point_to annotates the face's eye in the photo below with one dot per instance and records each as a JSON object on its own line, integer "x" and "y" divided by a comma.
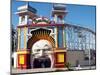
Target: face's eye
{"x": 37, "y": 50}
{"x": 49, "y": 49}
{"x": 46, "y": 50}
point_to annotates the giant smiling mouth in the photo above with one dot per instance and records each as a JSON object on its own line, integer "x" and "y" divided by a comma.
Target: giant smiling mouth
{"x": 42, "y": 62}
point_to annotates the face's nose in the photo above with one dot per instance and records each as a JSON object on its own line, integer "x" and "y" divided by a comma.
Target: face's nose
{"x": 41, "y": 53}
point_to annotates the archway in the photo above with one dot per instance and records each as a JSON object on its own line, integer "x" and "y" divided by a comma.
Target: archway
{"x": 38, "y": 35}
{"x": 41, "y": 45}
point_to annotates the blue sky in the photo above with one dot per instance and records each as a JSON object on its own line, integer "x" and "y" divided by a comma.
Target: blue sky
{"x": 83, "y": 15}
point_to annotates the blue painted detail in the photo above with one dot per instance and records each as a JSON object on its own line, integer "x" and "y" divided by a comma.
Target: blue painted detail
{"x": 60, "y": 37}
{"x": 22, "y": 39}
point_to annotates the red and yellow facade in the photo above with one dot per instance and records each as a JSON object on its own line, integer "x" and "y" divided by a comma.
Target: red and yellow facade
{"x": 23, "y": 55}
{"x": 60, "y": 58}
{"x": 24, "y": 61}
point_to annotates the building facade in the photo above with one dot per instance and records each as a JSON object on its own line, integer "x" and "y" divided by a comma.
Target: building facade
{"x": 41, "y": 42}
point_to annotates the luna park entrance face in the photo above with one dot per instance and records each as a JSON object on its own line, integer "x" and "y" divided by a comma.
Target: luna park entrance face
{"x": 41, "y": 55}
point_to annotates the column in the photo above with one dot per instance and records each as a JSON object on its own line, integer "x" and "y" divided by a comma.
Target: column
{"x": 55, "y": 18}
{"x": 64, "y": 37}
{"x": 56, "y": 39}
{"x": 26, "y": 19}
{"x": 18, "y": 38}
{"x": 62, "y": 21}
{"x": 20, "y": 20}
{"x": 25, "y": 38}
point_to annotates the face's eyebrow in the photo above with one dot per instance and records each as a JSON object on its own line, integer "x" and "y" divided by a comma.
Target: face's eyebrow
{"x": 46, "y": 45}
{"x": 36, "y": 47}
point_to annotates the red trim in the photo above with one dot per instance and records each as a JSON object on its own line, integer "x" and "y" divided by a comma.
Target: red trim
{"x": 58, "y": 64}
{"x": 24, "y": 67}
{"x": 26, "y": 64}
{"x": 41, "y": 25}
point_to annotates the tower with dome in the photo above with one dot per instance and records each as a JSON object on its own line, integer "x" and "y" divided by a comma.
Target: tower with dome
{"x": 41, "y": 42}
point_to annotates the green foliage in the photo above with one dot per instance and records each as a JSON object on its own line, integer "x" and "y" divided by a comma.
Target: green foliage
{"x": 68, "y": 65}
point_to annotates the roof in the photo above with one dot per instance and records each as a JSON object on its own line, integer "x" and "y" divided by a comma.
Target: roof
{"x": 26, "y": 8}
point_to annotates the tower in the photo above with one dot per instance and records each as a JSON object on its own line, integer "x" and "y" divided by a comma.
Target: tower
{"x": 41, "y": 29}
{"x": 26, "y": 13}
{"x": 59, "y": 13}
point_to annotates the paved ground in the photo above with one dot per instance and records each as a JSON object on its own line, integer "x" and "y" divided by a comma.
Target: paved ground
{"x": 17, "y": 71}
{"x": 41, "y": 70}
{"x": 84, "y": 68}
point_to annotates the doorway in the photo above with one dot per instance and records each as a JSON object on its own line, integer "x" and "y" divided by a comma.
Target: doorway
{"x": 42, "y": 63}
